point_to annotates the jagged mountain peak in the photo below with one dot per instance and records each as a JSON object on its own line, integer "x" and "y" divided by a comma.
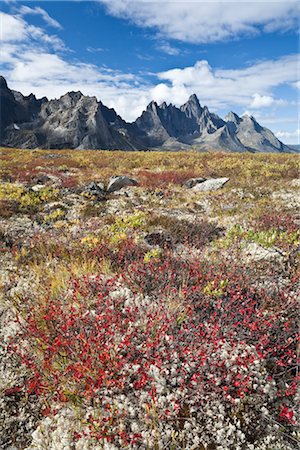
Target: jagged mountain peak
{"x": 152, "y": 106}
{"x": 233, "y": 117}
{"x": 74, "y": 95}
{"x": 250, "y": 119}
{"x": 192, "y": 108}
{"x": 3, "y": 83}
{"x": 247, "y": 116}
{"x": 193, "y": 99}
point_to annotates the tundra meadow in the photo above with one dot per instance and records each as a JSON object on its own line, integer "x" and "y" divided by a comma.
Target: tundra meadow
{"x": 156, "y": 316}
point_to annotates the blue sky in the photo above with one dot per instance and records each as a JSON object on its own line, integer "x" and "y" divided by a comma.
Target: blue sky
{"x": 241, "y": 56}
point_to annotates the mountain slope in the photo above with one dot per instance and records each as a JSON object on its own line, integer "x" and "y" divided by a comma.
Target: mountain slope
{"x": 251, "y": 134}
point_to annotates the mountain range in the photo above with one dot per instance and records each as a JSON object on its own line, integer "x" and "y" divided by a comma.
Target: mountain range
{"x": 78, "y": 121}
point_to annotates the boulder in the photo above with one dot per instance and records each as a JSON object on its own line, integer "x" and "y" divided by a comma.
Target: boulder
{"x": 118, "y": 182}
{"x": 211, "y": 184}
{"x": 193, "y": 181}
{"x": 257, "y": 253}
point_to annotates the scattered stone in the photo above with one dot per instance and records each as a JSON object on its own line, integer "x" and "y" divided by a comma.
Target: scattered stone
{"x": 289, "y": 198}
{"x": 295, "y": 182}
{"x": 44, "y": 178}
{"x": 193, "y": 182}
{"x": 19, "y": 229}
{"x": 6, "y": 240}
{"x": 37, "y": 187}
{"x": 118, "y": 182}
{"x": 255, "y": 252}
{"x": 49, "y": 207}
{"x": 240, "y": 193}
{"x": 41, "y": 179}
{"x": 95, "y": 189}
{"x": 212, "y": 184}
{"x": 160, "y": 238}
{"x": 53, "y": 156}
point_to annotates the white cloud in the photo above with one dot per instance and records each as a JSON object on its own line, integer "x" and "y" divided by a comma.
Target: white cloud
{"x": 12, "y": 28}
{"x": 168, "y": 49}
{"x": 224, "y": 87}
{"x": 200, "y": 21}
{"x": 23, "y": 10}
{"x": 289, "y": 137}
{"x": 36, "y": 68}
{"x": 96, "y": 49}
{"x": 297, "y": 84}
{"x": 264, "y": 101}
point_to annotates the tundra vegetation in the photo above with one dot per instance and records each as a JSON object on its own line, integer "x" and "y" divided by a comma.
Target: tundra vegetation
{"x": 153, "y": 317}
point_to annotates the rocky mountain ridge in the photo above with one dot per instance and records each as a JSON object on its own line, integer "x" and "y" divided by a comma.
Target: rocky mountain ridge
{"x": 83, "y": 122}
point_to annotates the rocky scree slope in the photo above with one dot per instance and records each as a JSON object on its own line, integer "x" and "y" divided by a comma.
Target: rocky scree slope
{"x": 82, "y": 122}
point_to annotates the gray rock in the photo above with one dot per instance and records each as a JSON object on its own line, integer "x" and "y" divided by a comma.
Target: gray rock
{"x": 95, "y": 189}
{"x": 37, "y": 187}
{"x": 44, "y": 179}
{"x": 118, "y": 182}
{"x": 211, "y": 184}
{"x": 41, "y": 179}
{"x": 50, "y": 207}
{"x": 255, "y": 252}
{"x": 295, "y": 182}
{"x": 193, "y": 181}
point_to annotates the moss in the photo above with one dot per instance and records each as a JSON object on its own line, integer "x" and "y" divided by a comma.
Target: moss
{"x": 54, "y": 216}
{"x": 26, "y": 201}
{"x": 154, "y": 253}
{"x": 266, "y": 238}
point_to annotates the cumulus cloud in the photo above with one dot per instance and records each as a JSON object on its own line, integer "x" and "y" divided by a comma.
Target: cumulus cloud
{"x": 223, "y": 87}
{"x": 292, "y": 137}
{"x": 264, "y": 101}
{"x": 200, "y": 21}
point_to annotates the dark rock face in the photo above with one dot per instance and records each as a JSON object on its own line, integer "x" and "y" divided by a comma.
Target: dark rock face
{"x": 159, "y": 123}
{"x": 78, "y": 121}
{"x": 17, "y": 116}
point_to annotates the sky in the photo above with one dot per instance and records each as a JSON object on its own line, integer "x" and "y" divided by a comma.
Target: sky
{"x": 235, "y": 56}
